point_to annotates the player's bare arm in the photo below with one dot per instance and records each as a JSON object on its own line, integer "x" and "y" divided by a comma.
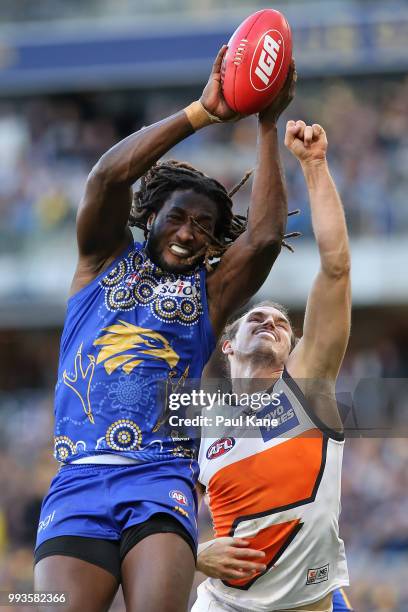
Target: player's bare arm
{"x": 247, "y": 263}
{"x": 227, "y": 558}
{"x": 102, "y": 231}
{"x": 319, "y": 354}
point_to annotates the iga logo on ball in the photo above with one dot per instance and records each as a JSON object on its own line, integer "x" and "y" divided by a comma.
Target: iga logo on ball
{"x": 267, "y": 60}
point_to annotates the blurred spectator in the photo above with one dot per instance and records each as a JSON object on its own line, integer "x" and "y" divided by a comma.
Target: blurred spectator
{"x": 48, "y": 146}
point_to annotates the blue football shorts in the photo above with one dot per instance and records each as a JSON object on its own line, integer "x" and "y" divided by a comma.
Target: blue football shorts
{"x": 341, "y": 602}
{"x": 102, "y": 501}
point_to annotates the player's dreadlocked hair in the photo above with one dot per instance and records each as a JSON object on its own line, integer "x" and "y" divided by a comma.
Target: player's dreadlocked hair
{"x": 162, "y": 179}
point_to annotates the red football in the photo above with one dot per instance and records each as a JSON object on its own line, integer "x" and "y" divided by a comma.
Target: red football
{"x": 256, "y": 63}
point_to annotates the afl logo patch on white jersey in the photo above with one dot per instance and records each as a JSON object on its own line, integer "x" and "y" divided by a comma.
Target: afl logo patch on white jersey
{"x": 220, "y": 447}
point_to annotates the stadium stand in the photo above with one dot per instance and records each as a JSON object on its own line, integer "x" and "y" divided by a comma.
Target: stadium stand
{"x": 49, "y": 139}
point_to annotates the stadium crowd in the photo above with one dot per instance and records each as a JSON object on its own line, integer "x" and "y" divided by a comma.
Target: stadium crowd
{"x": 48, "y": 145}
{"x": 59, "y": 10}
{"x": 375, "y": 475}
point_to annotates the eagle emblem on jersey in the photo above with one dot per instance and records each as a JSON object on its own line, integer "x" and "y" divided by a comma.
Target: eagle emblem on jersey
{"x": 126, "y": 346}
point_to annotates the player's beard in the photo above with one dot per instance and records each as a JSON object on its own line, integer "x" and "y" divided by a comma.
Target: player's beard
{"x": 265, "y": 358}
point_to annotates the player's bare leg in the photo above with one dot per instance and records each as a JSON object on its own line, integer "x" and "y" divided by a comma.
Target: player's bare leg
{"x": 157, "y": 574}
{"x": 88, "y": 587}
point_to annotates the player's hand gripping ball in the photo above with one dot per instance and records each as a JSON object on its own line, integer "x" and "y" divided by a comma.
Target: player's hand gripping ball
{"x": 257, "y": 61}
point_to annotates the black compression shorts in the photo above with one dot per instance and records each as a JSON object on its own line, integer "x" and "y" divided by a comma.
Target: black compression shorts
{"x": 109, "y": 554}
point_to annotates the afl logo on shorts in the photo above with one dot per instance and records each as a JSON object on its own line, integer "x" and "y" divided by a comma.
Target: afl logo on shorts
{"x": 220, "y": 447}
{"x": 179, "y": 497}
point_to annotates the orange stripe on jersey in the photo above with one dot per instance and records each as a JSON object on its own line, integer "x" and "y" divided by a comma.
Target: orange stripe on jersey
{"x": 282, "y": 476}
{"x": 272, "y": 541}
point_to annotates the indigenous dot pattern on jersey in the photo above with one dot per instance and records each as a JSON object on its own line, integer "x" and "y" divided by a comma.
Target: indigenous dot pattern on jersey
{"x": 136, "y": 281}
{"x": 124, "y": 435}
{"x": 64, "y": 448}
{"x": 256, "y": 64}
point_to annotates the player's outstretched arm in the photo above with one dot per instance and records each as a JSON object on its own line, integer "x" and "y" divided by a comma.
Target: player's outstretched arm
{"x": 104, "y": 210}
{"x": 247, "y": 263}
{"x": 326, "y": 329}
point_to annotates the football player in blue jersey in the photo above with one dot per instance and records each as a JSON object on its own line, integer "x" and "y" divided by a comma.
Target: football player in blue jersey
{"x": 122, "y": 508}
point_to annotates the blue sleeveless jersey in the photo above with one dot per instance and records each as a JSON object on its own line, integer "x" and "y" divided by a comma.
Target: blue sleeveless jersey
{"x": 133, "y": 335}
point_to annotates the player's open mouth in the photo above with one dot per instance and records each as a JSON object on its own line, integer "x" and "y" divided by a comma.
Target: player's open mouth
{"x": 180, "y": 251}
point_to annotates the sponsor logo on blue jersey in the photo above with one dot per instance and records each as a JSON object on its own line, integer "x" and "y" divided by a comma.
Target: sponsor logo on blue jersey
{"x": 178, "y": 288}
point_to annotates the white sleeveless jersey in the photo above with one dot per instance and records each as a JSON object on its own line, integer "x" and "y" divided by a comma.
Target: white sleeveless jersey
{"x": 279, "y": 487}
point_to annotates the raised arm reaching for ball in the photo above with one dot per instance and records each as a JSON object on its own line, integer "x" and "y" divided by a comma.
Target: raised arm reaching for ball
{"x": 203, "y": 218}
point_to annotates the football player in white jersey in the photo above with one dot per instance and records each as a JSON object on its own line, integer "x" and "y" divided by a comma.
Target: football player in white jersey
{"x": 274, "y": 495}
